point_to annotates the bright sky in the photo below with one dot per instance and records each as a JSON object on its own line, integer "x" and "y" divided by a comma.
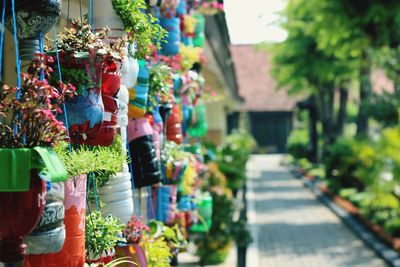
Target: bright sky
{"x": 253, "y": 21}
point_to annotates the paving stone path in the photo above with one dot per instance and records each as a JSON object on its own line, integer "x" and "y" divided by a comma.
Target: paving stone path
{"x": 292, "y": 228}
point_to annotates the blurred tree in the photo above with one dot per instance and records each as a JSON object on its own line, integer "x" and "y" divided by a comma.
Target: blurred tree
{"x": 301, "y": 63}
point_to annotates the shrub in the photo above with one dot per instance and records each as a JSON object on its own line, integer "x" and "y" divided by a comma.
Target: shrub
{"x": 297, "y": 144}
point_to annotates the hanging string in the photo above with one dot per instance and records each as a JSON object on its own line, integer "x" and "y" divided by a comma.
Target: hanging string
{"x": 60, "y": 78}
{"x": 17, "y": 61}
{"x": 90, "y": 14}
{"x": 3, "y": 14}
{"x": 69, "y": 4}
{"x": 139, "y": 212}
{"x": 128, "y": 151}
{"x": 41, "y": 49}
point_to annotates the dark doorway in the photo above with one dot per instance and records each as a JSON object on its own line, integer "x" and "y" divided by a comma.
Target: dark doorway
{"x": 271, "y": 129}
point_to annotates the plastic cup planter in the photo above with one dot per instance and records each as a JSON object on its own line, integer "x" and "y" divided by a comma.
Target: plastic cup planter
{"x": 23, "y": 194}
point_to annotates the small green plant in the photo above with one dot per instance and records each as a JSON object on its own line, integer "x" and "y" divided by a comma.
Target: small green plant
{"x": 158, "y": 252}
{"x": 297, "y": 144}
{"x": 160, "y": 82}
{"x": 241, "y": 233}
{"x": 142, "y": 28}
{"x": 102, "y": 233}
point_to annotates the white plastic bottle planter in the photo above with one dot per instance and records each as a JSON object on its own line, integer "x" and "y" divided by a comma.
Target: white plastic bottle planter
{"x": 130, "y": 67}
{"x": 49, "y": 235}
{"x": 117, "y": 196}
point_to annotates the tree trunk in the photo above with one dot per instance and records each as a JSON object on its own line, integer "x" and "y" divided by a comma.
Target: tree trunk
{"x": 342, "y": 112}
{"x": 365, "y": 96}
{"x": 313, "y": 118}
{"x": 326, "y": 108}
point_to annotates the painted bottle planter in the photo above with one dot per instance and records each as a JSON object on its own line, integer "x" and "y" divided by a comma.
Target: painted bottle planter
{"x": 204, "y": 204}
{"x": 138, "y": 96}
{"x": 174, "y": 125}
{"x": 172, "y": 43}
{"x": 199, "y": 126}
{"x": 117, "y": 197}
{"x": 104, "y": 258}
{"x": 165, "y": 203}
{"x": 73, "y": 251}
{"x": 49, "y": 235}
{"x": 85, "y": 116}
{"x": 109, "y": 90}
{"x": 19, "y": 221}
{"x": 135, "y": 252}
{"x": 199, "y": 37}
{"x": 22, "y": 188}
{"x": 129, "y": 68}
{"x": 32, "y": 18}
{"x": 146, "y": 167}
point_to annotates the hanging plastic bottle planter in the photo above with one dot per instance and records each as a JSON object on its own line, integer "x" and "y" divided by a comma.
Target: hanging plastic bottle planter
{"x": 172, "y": 43}
{"x": 33, "y": 17}
{"x": 174, "y": 125}
{"x": 146, "y": 167}
{"x": 138, "y": 96}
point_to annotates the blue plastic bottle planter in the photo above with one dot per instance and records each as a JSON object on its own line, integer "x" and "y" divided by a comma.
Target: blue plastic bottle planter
{"x": 85, "y": 115}
{"x": 138, "y": 96}
{"x": 166, "y": 203}
{"x": 173, "y": 40}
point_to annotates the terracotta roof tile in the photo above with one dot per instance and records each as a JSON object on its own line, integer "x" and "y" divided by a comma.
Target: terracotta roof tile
{"x": 256, "y": 85}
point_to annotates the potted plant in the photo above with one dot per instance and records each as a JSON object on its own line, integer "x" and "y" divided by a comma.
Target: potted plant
{"x": 142, "y": 28}
{"x": 157, "y": 252}
{"x": 133, "y": 233}
{"x": 82, "y": 58}
{"x": 29, "y": 129}
{"x": 102, "y": 234}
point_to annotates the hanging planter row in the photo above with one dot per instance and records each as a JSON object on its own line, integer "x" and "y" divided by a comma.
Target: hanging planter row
{"x": 97, "y": 88}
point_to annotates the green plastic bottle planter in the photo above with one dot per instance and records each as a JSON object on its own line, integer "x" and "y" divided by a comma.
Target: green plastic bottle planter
{"x": 16, "y": 165}
{"x": 204, "y": 208}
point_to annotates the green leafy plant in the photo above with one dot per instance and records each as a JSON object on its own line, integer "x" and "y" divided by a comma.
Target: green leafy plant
{"x": 160, "y": 81}
{"x": 142, "y": 28}
{"x": 158, "y": 252}
{"x": 241, "y": 233}
{"x": 297, "y": 144}
{"x": 233, "y": 155}
{"x": 102, "y": 233}
{"x": 103, "y": 161}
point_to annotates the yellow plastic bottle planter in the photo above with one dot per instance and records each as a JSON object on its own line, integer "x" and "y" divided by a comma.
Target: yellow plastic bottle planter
{"x": 17, "y": 163}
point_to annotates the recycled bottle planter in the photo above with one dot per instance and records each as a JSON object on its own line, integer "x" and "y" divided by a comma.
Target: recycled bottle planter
{"x": 181, "y": 9}
{"x": 199, "y": 126}
{"x": 109, "y": 90}
{"x": 129, "y": 68}
{"x": 138, "y": 96}
{"x": 135, "y": 253}
{"x": 73, "y": 251}
{"x": 199, "y": 37}
{"x": 172, "y": 43}
{"x": 32, "y": 18}
{"x": 187, "y": 113}
{"x": 86, "y": 110}
{"x": 49, "y": 234}
{"x": 23, "y": 194}
{"x": 20, "y": 212}
{"x": 104, "y": 258}
{"x": 165, "y": 203}
{"x": 204, "y": 204}
{"x": 146, "y": 167}
{"x": 174, "y": 125}
{"x": 117, "y": 197}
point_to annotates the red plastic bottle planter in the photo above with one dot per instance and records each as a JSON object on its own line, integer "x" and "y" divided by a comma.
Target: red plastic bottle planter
{"x": 20, "y": 212}
{"x": 174, "y": 125}
{"x": 73, "y": 251}
{"x": 111, "y": 81}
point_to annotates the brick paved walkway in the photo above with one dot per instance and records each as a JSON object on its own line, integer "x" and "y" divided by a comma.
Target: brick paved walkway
{"x": 292, "y": 228}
